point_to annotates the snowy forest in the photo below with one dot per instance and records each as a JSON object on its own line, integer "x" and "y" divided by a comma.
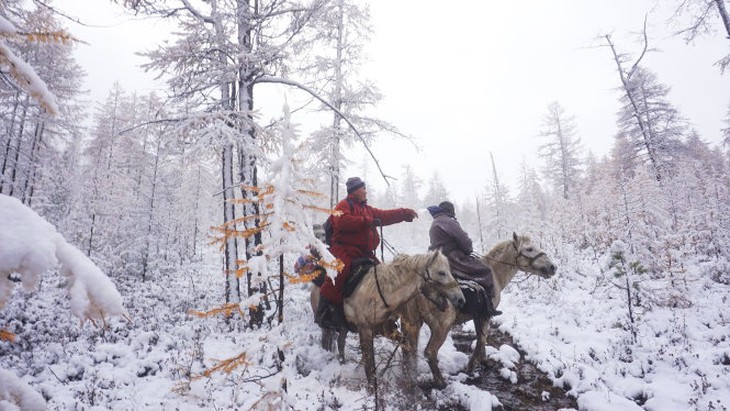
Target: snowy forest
{"x": 196, "y": 207}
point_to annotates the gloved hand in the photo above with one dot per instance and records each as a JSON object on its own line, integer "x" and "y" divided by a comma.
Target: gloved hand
{"x": 410, "y": 214}
{"x": 377, "y": 222}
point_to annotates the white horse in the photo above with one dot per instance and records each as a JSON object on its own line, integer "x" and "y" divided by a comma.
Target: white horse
{"x": 505, "y": 259}
{"x": 386, "y": 288}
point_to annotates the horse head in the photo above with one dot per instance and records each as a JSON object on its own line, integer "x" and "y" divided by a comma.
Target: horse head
{"x": 437, "y": 274}
{"x": 531, "y": 259}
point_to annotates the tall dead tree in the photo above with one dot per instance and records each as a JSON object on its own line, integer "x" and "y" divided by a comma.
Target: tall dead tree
{"x": 646, "y": 117}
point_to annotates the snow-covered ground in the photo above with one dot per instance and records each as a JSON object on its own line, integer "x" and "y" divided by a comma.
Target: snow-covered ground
{"x": 575, "y": 327}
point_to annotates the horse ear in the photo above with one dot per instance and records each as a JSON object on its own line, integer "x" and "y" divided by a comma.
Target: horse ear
{"x": 515, "y": 240}
{"x": 433, "y": 257}
{"x": 514, "y": 237}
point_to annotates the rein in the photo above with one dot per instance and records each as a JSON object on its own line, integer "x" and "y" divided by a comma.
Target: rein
{"x": 380, "y": 291}
{"x": 375, "y": 268}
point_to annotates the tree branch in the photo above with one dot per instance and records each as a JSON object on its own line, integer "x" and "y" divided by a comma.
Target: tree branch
{"x": 280, "y": 80}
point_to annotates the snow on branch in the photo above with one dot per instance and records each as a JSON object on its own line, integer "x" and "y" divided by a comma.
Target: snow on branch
{"x": 23, "y": 74}
{"x": 29, "y": 246}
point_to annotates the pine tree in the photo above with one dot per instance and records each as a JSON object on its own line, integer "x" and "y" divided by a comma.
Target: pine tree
{"x": 647, "y": 118}
{"x": 437, "y": 191}
{"x": 561, "y": 150}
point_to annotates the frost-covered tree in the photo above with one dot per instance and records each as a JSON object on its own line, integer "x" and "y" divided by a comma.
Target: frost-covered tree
{"x": 290, "y": 213}
{"x": 104, "y": 192}
{"x": 699, "y": 197}
{"x": 37, "y": 124}
{"x": 707, "y": 17}
{"x": 410, "y": 187}
{"x": 437, "y": 191}
{"x": 331, "y": 62}
{"x": 531, "y": 202}
{"x": 560, "y": 151}
{"x": 224, "y": 48}
{"x": 726, "y": 130}
{"x": 38, "y": 27}
{"x": 649, "y": 120}
{"x": 497, "y": 211}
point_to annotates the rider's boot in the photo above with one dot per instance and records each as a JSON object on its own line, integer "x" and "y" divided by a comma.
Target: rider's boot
{"x": 490, "y": 310}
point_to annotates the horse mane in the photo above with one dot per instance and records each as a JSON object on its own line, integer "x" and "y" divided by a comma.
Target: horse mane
{"x": 392, "y": 271}
{"x": 406, "y": 261}
{"x": 500, "y": 247}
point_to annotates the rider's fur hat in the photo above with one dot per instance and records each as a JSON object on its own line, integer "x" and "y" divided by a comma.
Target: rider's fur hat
{"x": 353, "y": 184}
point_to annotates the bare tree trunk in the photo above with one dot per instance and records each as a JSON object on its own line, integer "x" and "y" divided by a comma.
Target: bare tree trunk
{"x": 91, "y": 235}
{"x": 18, "y": 146}
{"x": 337, "y": 103}
{"x": 479, "y": 221}
{"x": 280, "y": 300}
{"x": 248, "y": 173}
{"x": 722, "y": 11}
{"x": 151, "y": 210}
{"x": 498, "y": 204}
{"x": 196, "y": 221}
{"x": 33, "y": 163}
{"x": 230, "y": 254}
{"x": 8, "y": 145}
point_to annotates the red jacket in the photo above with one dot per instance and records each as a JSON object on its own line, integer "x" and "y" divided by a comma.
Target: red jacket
{"x": 354, "y": 236}
{"x": 355, "y": 227}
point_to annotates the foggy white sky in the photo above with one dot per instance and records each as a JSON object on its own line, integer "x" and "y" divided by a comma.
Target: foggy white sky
{"x": 467, "y": 78}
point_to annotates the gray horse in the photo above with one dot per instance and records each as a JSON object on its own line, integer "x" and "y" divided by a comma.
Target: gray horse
{"x": 505, "y": 259}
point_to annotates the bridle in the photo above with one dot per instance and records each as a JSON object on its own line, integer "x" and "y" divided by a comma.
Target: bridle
{"x": 520, "y": 254}
{"x": 428, "y": 278}
{"x": 530, "y": 260}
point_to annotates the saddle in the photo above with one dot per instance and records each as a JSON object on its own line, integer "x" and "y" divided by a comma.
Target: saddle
{"x": 476, "y": 297}
{"x": 360, "y": 267}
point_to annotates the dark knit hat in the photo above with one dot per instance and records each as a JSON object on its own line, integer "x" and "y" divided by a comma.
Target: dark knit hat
{"x": 354, "y": 183}
{"x": 448, "y": 208}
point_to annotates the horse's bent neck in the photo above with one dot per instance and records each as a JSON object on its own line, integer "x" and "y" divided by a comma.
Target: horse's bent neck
{"x": 400, "y": 285}
{"x": 503, "y": 262}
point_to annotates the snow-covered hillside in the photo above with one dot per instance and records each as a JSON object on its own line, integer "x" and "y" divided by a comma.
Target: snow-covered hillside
{"x": 575, "y": 327}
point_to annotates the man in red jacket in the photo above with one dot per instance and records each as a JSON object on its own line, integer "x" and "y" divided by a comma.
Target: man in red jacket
{"x": 354, "y": 236}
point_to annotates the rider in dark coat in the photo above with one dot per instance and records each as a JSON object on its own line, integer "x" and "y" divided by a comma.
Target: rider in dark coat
{"x": 447, "y": 235}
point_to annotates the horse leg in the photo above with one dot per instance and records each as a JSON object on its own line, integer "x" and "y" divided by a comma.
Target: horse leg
{"x": 368, "y": 355}
{"x": 477, "y": 357}
{"x": 327, "y": 339}
{"x": 341, "y": 340}
{"x": 439, "y": 332}
{"x": 410, "y": 347}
